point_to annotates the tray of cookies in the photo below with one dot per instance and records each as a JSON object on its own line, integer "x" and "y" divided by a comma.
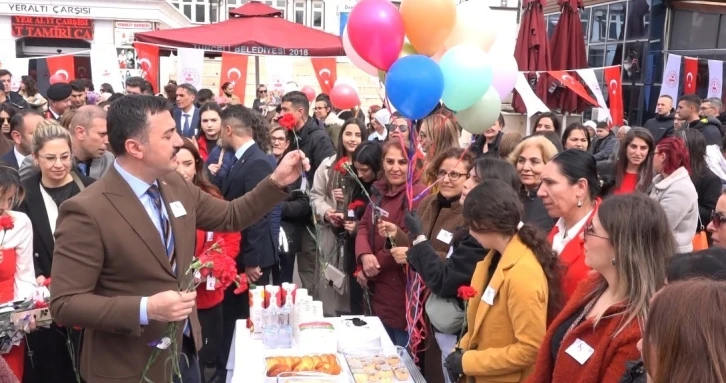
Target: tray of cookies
{"x": 382, "y": 365}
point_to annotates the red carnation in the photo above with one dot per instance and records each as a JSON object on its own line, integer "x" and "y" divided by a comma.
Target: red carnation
{"x": 242, "y": 284}
{"x": 41, "y": 304}
{"x": 340, "y": 166}
{"x": 358, "y": 270}
{"x": 288, "y": 121}
{"x": 6, "y": 222}
{"x": 465, "y": 292}
{"x": 355, "y": 205}
{"x": 46, "y": 282}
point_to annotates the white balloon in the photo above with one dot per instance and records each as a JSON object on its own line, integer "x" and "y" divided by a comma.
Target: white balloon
{"x": 475, "y": 24}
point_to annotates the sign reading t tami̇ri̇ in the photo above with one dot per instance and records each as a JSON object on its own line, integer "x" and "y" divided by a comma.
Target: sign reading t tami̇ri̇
{"x": 49, "y": 9}
{"x": 52, "y": 27}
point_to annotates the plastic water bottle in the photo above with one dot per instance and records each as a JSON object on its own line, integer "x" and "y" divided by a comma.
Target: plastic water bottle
{"x": 284, "y": 335}
{"x": 271, "y": 327}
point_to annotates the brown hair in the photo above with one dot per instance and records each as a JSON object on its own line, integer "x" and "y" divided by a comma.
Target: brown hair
{"x": 66, "y": 118}
{"x": 508, "y": 142}
{"x": 683, "y": 340}
{"x": 200, "y": 177}
{"x": 443, "y": 134}
{"x": 431, "y": 173}
{"x": 645, "y": 170}
{"x": 483, "y": 214}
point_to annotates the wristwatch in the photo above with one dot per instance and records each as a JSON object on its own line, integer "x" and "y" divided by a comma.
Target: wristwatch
{"x": 419, "y": 239}
{"x": 276, "y": 184}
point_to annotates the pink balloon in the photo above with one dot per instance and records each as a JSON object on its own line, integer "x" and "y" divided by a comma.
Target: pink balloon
{"x": 355, "y": 58}
{"x": 56, "y": 78}
{"x": 504, "y": 74}
{"x": 309, "y": 92}
{"x": 343, "y": 96}
{"x": 376, "y": 32}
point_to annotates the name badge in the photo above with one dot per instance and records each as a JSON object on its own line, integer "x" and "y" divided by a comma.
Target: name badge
{"x": 177, "y": 209}
{"x": 351, "y": 213}
{"x": 445, "y": 237}
{"x": 210, "y": 236}
{"x": 451, "y": 251}
{"x": 488, "y": 296}
{"x": 580, "y": 350}
{"x": 211, "y": 282}
{"x": 383, "y": 212}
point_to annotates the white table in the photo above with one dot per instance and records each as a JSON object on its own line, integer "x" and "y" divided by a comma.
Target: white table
{"x": 245, "y": 362}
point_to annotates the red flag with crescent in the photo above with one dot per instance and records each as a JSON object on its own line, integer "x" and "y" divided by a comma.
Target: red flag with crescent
{"x": 147, "y": 56}
{"x": 234, "y": 70}
{"x": 573, "y": 84}
{"x": 326, "y": 72}
{"x": 614, "y": 84}
{"x": 690, "y": 66}
{"x": 63, "y": 66}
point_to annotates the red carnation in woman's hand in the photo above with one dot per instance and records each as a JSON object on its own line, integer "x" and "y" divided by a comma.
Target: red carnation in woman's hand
{"x": 355, "y": 205}
{"x": 465, "y": 292}
{"x": 6, "y": 222}
{"x": 288, "y": 121}
{"x": 340, "y": 166}
{"x": 242, "y": 284}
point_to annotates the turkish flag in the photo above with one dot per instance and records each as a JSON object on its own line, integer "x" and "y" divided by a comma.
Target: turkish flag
{"x": 614, "y": 84}
{"x": 63, "y": 66}
{"x": 573, "y": 83}
{"x": 326, "y": 72}
{"x": 234, "y": 70}
{"x": 82, "y": 66}
{"x": 690, "y": 66}
{"x": 147, "y": 56}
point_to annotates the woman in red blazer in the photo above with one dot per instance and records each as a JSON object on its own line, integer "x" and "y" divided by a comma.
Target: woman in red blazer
{"x": 209, "y": 302}
{"x": 570, "y": 190}
{"x": 627, "y": 244}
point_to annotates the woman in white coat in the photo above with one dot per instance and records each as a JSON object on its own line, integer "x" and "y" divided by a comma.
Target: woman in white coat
{"x": 330, "y": 195}
{"x": 674, "y": 190}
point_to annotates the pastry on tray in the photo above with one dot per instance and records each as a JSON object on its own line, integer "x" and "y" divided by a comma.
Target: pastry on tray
{"x": 327, "y": 364}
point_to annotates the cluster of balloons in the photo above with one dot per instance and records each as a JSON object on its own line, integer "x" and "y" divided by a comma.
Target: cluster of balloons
{"x": 431, "y": 51}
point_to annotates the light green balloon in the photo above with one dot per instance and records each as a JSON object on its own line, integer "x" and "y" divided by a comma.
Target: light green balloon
{"x": 467, "y": 75}
{"x": 479, "y": 117}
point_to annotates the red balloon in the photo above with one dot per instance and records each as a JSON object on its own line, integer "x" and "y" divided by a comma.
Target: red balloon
{"x": 343, "y": 96}
{"x": 309, "y": 92}
{"x": 56, "y": 78}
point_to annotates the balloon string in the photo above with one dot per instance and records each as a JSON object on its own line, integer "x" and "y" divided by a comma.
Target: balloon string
{"x": 416, "y": 295}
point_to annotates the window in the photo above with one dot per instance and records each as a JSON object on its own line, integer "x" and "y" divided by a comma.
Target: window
{"x": 277, "y": 4}
{"x": 585, "y": 20}
{"x": 638, "y": 20}
{"x": 616, "y": 22}
{"x": 199, "y": 13}
{"x": 598, "y": 28}
{"x": 694, "y": 30}
{"x": 551, "y": 23}
{"x": 318, "y": 14}
{"x": 299, "y": 12}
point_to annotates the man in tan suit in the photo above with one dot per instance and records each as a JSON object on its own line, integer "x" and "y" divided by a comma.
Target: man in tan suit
{"x": 123, "y": 246}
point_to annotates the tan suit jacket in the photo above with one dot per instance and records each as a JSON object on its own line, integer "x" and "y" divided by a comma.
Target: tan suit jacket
{"x": 108, "y": 255}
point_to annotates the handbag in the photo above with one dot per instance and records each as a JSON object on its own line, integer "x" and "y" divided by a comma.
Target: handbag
{"x": 700, "y": 240}
{"x": 445, "y": 314}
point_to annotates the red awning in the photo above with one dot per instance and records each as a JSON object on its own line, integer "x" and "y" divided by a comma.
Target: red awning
{"x": 252, "y": 29}
{"x": 531, "y": 51}
{"x": 568, "y": 53}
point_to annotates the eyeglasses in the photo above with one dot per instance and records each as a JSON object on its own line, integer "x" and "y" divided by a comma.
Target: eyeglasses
{"x": 400, "y": 128}
{"x": 590, "y": 232}
{"x": 717, "y": 219}
{"x": 64, "y": 158}
{"x": 278, "y": 139}
{"x": 5, "y": 120}
{"x": 262, "y": 91}
{"x": 454, "y": 176}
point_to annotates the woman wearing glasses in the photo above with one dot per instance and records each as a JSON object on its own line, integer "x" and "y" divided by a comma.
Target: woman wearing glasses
{"x": 717, "y": 224}
{"x": 628, "y": 244}
{"x": 46, "y": 190}
{"x": 7, "y": 112}
{"x": 262, "y": 100}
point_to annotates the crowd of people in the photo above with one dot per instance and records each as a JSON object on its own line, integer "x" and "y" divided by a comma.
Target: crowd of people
{"x": 595, "y": 252}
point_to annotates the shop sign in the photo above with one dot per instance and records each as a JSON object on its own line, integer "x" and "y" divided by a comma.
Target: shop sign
{"x": 49, "y": 9}
{"x": 52, "y": 27}
{"x": 124, "y": 31}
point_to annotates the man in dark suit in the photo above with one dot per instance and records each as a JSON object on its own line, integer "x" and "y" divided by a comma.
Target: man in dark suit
{"x": 123, "y": 245}
{"x": 22, "y": 127}
{"x": 187, "y": 114}
{"x": 250, "y": 166}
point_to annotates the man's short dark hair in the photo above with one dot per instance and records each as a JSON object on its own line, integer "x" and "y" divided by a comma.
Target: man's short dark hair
{"x": 5, "y": 72}
{"x": 251, "y": 122}
{"x": 668, "y": 96}
{"x": 322, "y": 97}
{"x": 115, "y": 96}
{"x": 135, "y": 82}
{"x": 77, "y": 86}
{"x": 204, "y": 95}
{"x": 189, "y": 88}
{"x": 602, "y": 125}
{"x": 17, "y": 122}
{"x": 691, "y": 99}
{"x": 298, "y": 99}
{"x": 128, "y": 118}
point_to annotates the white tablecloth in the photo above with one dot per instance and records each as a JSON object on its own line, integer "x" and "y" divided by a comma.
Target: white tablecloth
{"x": 245, "y": 356}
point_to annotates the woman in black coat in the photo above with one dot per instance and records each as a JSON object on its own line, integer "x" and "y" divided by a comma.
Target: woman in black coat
{"x": 708, "y": 185}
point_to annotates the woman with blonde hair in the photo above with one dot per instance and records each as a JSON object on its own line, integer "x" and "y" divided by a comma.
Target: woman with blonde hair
{"x": 628, "y": 244}
{"x": 683, "y": 340}
{"x": 529, "y": 158}
{"x": 438, "y": 133}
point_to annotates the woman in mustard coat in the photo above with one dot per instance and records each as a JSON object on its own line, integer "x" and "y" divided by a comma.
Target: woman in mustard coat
{"x": 517, "y": 290}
